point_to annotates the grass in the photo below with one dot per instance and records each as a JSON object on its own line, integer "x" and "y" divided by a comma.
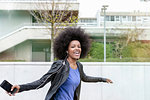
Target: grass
{"x": 116, "y": 60}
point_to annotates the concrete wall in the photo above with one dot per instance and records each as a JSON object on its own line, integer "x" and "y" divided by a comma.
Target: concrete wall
{"x": 8, "y": 54}
{"x": 22, "y": 51}
{"x": 131, "y": 80}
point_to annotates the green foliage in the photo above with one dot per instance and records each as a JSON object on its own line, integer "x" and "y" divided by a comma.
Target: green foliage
{"x": 109, "y": 51}
{"x": 133, "y": 52}
{"x": 127, "y": 51}
{"x": 97, "y": 51}
{"x": 137, "y": 50}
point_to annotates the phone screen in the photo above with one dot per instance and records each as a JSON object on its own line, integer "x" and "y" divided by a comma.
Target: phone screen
{"x": 6, "y": 86}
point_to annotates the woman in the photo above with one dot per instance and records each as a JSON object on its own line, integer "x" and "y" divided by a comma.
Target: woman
{"x": 66, "y": 73}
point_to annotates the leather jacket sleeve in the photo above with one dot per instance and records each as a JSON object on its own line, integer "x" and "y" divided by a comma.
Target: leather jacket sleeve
{"x": 86, "y": 78}
{"x": 43, "y": 80}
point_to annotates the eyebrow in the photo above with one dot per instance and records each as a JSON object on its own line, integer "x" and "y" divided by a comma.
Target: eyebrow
{"x": 75, "y": 44}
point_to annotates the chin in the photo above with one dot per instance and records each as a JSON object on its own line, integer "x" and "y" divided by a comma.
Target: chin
{"x": 76, "y": 58}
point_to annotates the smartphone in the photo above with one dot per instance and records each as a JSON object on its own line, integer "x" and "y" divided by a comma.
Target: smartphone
{"x": 7, "y": 86}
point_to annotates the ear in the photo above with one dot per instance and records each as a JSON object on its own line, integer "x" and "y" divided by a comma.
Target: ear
{"x": 67, "y": 52}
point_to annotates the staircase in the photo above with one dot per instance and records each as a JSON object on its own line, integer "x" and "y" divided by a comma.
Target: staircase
{"x": 22, "y": 34}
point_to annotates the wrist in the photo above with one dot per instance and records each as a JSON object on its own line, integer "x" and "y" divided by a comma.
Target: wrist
{"x": 103, "y": 79}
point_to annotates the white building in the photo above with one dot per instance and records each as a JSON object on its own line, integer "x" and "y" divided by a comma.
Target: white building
{"x": 23, "y": 39}
{"x": 20, "y": 37}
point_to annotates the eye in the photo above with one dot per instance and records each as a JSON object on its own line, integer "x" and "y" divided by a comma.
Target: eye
{"x": 79, "y": 46}
{"x": 72, "y": 46}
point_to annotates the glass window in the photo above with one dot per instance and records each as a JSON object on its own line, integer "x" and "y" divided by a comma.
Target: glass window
{"x": 129, "y": 18}
{"x": 107, "y": 18}
{"x": 112, "y": 18}
{"x": 133, "y": 18}
{"x": 41, "y": 51}
{"x": 117, "y": 18}
{"x": 138, "y": 19}
{"x": 124, "y": 18}
{"x": 145, "y": 19}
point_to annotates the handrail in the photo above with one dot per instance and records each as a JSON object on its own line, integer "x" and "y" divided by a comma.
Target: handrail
{"x": 88, "y": 25}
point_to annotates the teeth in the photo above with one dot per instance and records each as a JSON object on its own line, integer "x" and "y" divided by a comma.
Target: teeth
{"x": 76, "y": 52}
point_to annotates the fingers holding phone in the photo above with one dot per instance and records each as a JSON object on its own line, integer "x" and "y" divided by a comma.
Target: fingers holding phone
{"x": 15, "y": 89}
{"x": 9, "y": 88}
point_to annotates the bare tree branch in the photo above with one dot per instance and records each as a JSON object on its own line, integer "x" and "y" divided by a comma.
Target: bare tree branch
{"x": 54, "y": 15}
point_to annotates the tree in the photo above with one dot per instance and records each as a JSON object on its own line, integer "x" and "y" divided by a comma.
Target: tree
{"x": 127, "y": 36}
{"x": 55, "y": 15}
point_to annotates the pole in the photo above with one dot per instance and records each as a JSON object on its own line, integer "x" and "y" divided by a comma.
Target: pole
{"x": 104, "y": 36}
{"x": 104, "y": 9}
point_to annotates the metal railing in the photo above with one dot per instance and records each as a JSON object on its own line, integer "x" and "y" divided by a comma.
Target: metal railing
{"x": 91, "y": 27}
{"x": 127, "y": 24}
{"x": 45, "y": 24}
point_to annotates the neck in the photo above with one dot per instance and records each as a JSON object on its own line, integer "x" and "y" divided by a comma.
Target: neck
{"x": 71, "y": 61}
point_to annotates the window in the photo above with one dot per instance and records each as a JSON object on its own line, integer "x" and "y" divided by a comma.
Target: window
{"x": 124, "y": 18}
{"x": 129, "y": 18}
{"x": 41, "y": 51}
{"x": 107, "y": 18}
{"x": 138, "y": 19}
{"x": 145, "y": 19}
{"x": 117, "y": 18}
{"x": 112, "y": 18}
{"x": 88, "y": 20}
{"x": 133, "y": 18}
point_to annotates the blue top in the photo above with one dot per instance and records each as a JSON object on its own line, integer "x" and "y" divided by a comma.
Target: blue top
{"x": 67, "y": 89}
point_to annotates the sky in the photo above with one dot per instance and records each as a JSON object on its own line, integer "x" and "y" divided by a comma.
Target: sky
{"x": 89, "y": 8}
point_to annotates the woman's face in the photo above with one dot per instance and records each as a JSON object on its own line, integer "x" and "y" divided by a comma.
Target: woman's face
{"x": 74, "y": 49}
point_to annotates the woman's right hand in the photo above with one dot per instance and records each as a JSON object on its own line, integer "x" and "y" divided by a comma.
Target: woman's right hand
{"x": 13, "y": 87}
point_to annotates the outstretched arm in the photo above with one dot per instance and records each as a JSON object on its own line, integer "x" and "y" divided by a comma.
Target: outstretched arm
{"x": 86, "y": 78}
{"x": 42, "y": 81}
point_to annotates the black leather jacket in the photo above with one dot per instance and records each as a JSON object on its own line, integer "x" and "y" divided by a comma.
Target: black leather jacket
{"x": 57, "y": 75}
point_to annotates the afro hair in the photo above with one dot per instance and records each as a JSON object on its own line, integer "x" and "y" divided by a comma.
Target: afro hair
{"x": 61, "y": 42}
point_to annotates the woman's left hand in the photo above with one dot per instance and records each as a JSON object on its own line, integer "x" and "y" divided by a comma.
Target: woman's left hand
{"x": 108, "y": 81}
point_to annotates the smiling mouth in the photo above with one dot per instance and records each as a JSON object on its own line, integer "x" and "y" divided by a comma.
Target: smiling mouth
{"x": 77, "y": 53}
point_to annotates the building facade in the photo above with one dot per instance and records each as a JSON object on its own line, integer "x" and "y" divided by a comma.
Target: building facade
{"x": 21, "y": 37}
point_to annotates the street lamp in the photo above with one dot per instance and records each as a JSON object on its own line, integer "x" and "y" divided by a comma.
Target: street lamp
{"x": 104, "y": 10}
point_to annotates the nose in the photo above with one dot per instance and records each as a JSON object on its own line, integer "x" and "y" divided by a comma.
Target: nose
{"x": 77, "y": 48}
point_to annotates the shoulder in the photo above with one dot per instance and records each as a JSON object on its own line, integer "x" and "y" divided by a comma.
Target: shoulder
{"x": 57, "y": 64}
{"x": 79, "y": 64}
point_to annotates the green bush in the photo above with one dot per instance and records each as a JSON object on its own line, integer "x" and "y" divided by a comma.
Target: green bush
{"x": 140, "y": 52}
{"x": 97, "y": 51}
{"x": 133, "y": 52}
